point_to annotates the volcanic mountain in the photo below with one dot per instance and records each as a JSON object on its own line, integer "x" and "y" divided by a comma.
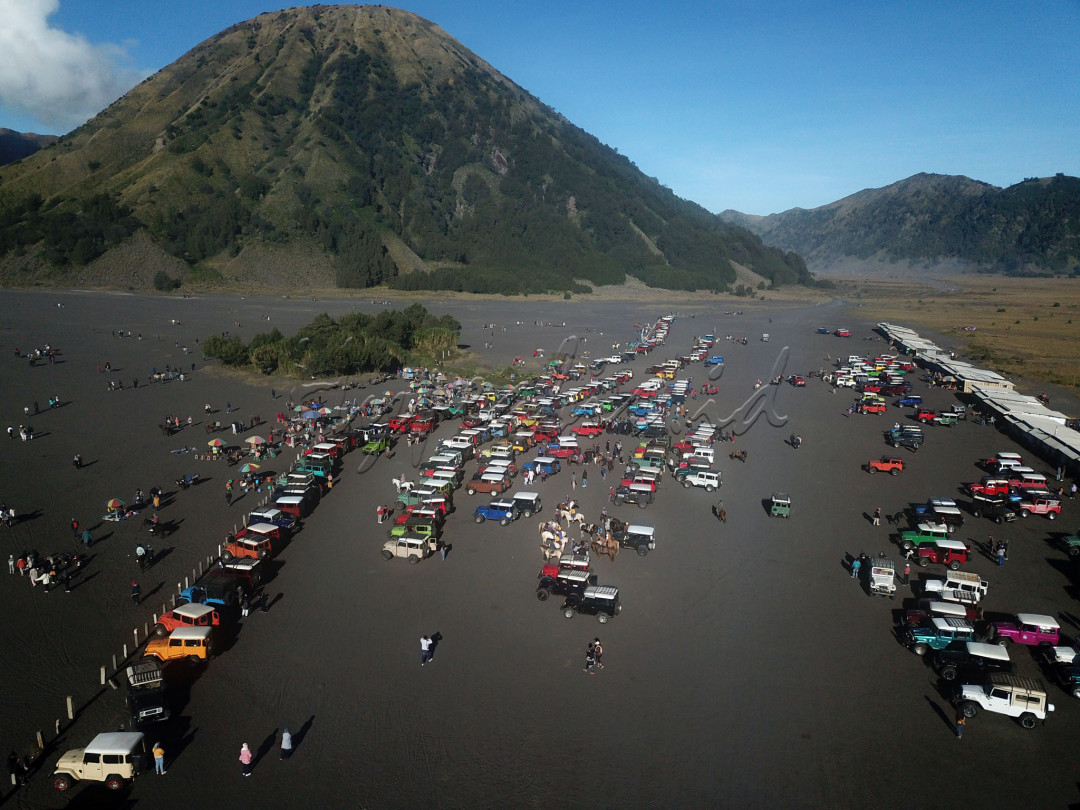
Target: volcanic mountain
{"x": 17, "y": 145}
{"x": 1032, "y": 227}
{"x": 353, "y": 146}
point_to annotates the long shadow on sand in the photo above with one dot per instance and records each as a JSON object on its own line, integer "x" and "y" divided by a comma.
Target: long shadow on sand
{"x": 265, "y": 747}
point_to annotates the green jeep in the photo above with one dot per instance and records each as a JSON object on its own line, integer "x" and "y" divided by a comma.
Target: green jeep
{"x": 939, "y": 633}
{"x": 376, "y": 446}
{"x": 417, "y": 529}
{"x": 924, "y": 534}
{"x": 320, "y": 468}
{"x": 1071, "y": 544}
{"x": 414, "y": 496}
{"x": 947, "y": 419}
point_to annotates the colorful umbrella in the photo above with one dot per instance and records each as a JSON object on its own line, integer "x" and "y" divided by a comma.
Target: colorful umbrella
{"x": 215, "y": 443}
{"x": 299, "y": 408}
{"x": 115, "y": 503}
{"x": 255, "y": 440}
{"x": 249, "y": 468}
{"x": 324, "y": 410}
{"x": 311, "y": 414}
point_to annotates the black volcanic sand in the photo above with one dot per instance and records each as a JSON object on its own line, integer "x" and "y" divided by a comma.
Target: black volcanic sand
{"x": 746, "y": 669}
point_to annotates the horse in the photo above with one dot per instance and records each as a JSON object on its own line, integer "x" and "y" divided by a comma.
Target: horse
{"x": 402, "y": 486}
{"x": 608, "y": 547}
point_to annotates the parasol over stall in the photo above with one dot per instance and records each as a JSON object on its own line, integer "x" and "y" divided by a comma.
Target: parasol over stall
{"x": 255, "y": 440}
{"x": 215, "y": 443}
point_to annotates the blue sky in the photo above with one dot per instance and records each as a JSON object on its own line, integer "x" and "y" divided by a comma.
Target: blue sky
{"x": 757, "y": 106}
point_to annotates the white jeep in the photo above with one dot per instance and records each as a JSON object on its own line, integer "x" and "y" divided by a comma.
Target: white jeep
{"x": 702, "y": 478}
{"x": 113, "y": 757}
{"x": 1013, "y": 695}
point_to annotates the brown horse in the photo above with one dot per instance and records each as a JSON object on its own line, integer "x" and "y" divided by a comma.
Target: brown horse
{"x": 605, "y": 547}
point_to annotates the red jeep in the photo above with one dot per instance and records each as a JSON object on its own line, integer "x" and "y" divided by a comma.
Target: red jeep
{"x": 587, "y": 429}
{"x": 944, "y": 551}
{"x": 400, "y": 423}
{"x": 991, "y": 487}
{"x": 871, "y": 407}
{"x": 545, "y": 433}
{"x": 893, "y": 466}
{"x": 925, "y": 414}
{"x": 187, "y": 615}
{"x": 1051, "y": 507}
{"x": 422, "y": 424}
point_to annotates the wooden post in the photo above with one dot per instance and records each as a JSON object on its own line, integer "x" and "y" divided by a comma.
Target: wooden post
{"x": 114, "y": 663}
{"x": 200, "y": 568}
{"x": 185, "y": 582}
{"x": 125, "y": 652}
{"x": 57, "y": 732}
{"x": 40, "y": 740}
{"x": 103, "y": 676}
{"x": 70, "y": 708}
{"x": 173, "y": 600}
{"x": 135, "y": 632}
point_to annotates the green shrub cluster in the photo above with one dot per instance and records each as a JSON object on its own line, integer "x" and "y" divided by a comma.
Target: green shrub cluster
{"x": 353, "y": 344}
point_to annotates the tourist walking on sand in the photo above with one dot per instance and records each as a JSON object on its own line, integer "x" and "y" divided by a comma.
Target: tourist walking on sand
{"x": 856, "y": 564}
{"x": 598, "y": 651}
{"x": 425, "y": 649}
{"x": 286, "y": 744}
{"x": 245, "y": 760}
{"x": 877, "y": 516}
{"x": 961, "y": 721}
{"x": 590, "y": 659}
{"x": 136, "y": 592}
{"x": 159, "y": 759}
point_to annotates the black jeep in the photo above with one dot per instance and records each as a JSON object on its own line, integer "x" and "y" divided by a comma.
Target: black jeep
{"x": 971, "y": 660}
{"x": 998, "y": 510}
{"x": 601, "y": 601}
{"x": 567, "y": 582}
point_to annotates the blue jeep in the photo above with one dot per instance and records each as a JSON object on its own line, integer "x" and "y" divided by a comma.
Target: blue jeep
{"x": 502, "y": 511}
{"x": 543, "y": 464}
{"x": 909, "y": 402}
{"x": 715, "y": 360}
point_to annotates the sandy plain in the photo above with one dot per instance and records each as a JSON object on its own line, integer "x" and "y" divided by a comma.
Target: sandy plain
{"x": 746, "y": 669}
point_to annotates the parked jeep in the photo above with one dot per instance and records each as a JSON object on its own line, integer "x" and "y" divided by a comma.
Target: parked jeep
{"x": 907, "y": 439}
{"x": 1002, "y": 693}
{"x": 412, "y": 548}
{"x": 1029, "y": 628}
{"x": 187, "y": 615}
{"x": 601, "y": 601}
{"x": 147, "y": 699}
{"x": 702, "y": 478}
{"x": 938, "y": 633}
{"x": 952, "y": 553}
{"x": 972, "y": 660}
{"x": 1051, "y": 507}
{"x": 488, "y": 482}
{"x": 503, "y": 511}
{"x": 923, "y": 534}
{"x": 563, "y": 582}
{"x": 191, "y": 643}
{"x": 998, "y": 510}
{"x": 114, "y": 757}
{"x": 892, "y": 466}
{"x": 640, "y": 538}
{"x": 959, "y": 586}
{"x": 252, "y": 545}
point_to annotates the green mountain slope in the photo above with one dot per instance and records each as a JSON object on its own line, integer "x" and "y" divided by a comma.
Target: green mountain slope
{"x": 1031, "y": 227}
{"x": 366, "y": 146}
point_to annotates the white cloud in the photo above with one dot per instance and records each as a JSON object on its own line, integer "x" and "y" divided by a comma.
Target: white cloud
{"x": 60, "y": 79}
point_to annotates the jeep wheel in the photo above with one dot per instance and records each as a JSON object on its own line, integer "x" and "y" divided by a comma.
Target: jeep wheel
{"x": 568, "y": 613}
{"x": 954, "y": 565}
{"x": 969, "y": 709}
{"x": 872, "y": 470}
{"x": 263, "y": 553}
{"x": 976, "y": 512}
{"x": 193, "y": 659}
{"x": 226, "y": 555}
{"x": 999, "y": 520}
{"x": 894, "y": 471}
{"x": 479, "y": 518}
{"x": 948, "y": 674}
{"x": 950, "y": 528}
{"x": 1074, "y": 551}
{"x": 1027, "y": 720}
{"x": 709, "y": 487}
{"x": 642, "y": 551}
{"x": 413, "y": 559}
{"x": 1051, "y": 515}
{"x": 160, "y": 631}
{"x": 1003, "y": 641}
{"x": 642, "y": 504}
{"x": 113, "y": 782}
{"x": 915, "y": 447}
{"x": 923, "y": 562}
{"x": 602, "y": 618}
{"x": 906, "y": 545}
{"x": 527, "y": 513}
{"x": 61, "y": 783}
{"x": 1025, "y": 513}
{"x": 542, "y": 594}
{"x": 504, "y": 521}
{"x": 471, "y": 491}
{"x": 919, "y": 649}
{"x": 387, "y": 554}
{"x": 686, "y": 483}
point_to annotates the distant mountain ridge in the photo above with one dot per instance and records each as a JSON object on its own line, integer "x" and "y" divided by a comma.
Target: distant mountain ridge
{"x": 17, "y": 145}
{"x": 353, "y": 146}
{"x": 1030, "y": 227}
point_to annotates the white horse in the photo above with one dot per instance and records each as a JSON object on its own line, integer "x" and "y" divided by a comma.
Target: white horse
{"x": 401, "y": 485}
